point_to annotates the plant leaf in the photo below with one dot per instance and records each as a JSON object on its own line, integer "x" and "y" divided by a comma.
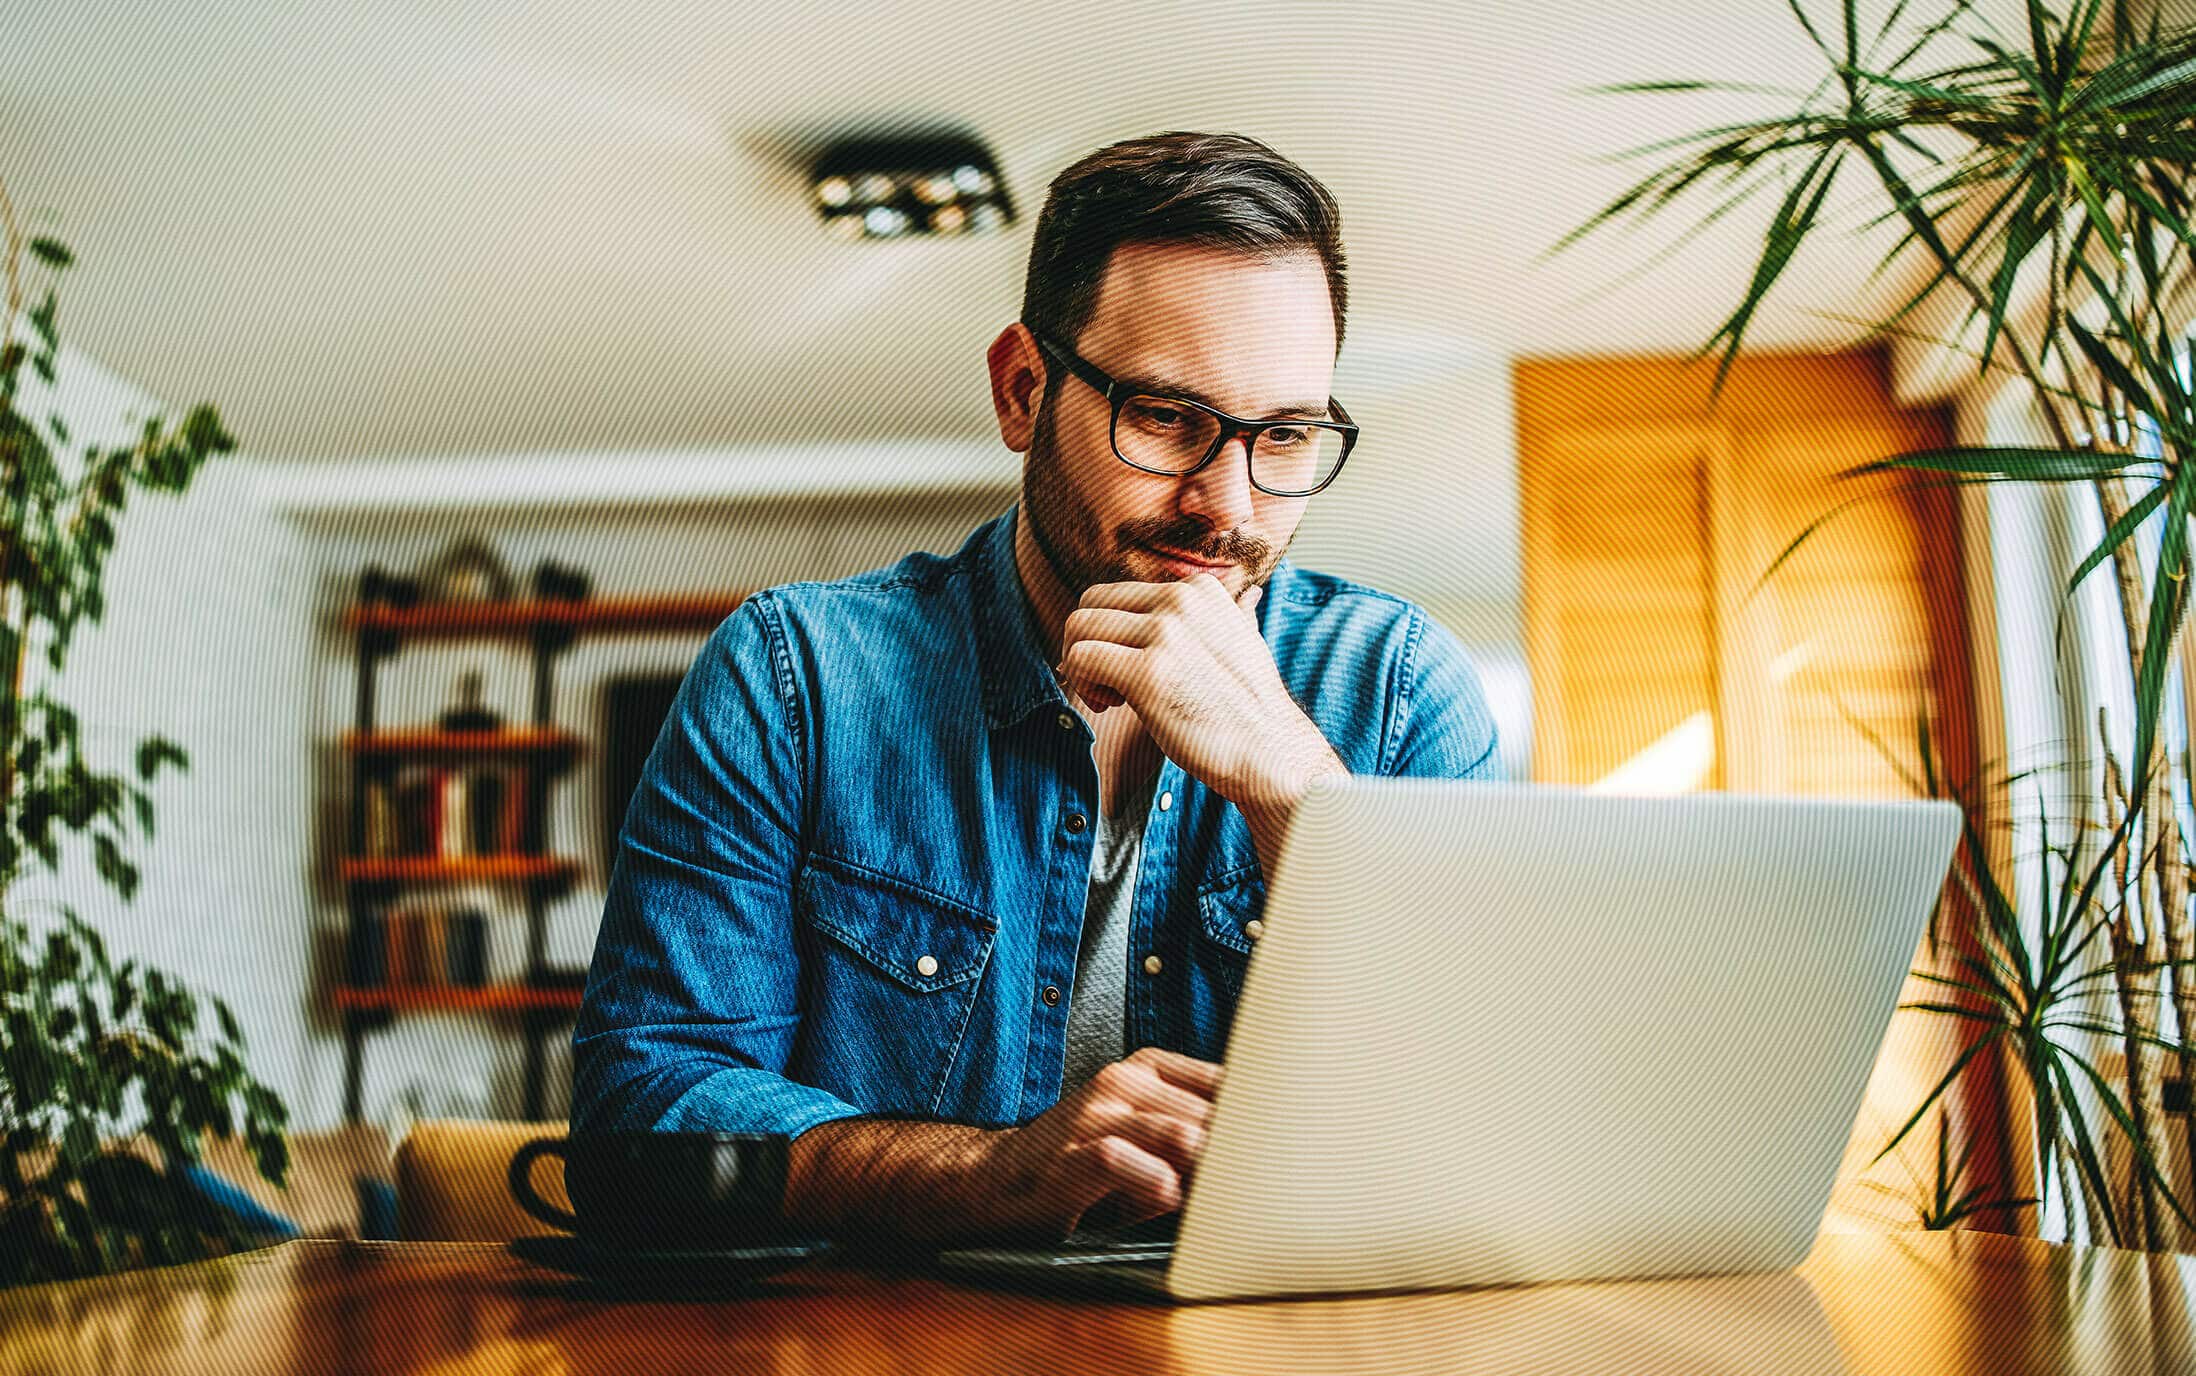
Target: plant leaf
{"x": 1787, "y": 230}
{"x": 1981, "y": 1043}
{"x": 2168, "y": 600}
{"x": 2108, "y": 363}
{"x": 2018, "y": 462}
{"x": 2120, "y": 1115}
{"x": 2116, "y": 534}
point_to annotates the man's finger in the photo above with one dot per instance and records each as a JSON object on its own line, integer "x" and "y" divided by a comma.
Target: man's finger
{"x": 1137, "y": 1184}
{"x": 1106, "y": 623}
{"x": 1175, "y": 1140}
{"x": 1186, "y": 1071}
{"x": 1248, "y": 600}
{"x": 1157, "y": 1094}
{"x": 1101, "y": 663}
{"x": 1138, "y": 596}
{"x": 1134, "y": 596}
{"x": 1153, "y": 1090}
{"x": 1100, "y": 698}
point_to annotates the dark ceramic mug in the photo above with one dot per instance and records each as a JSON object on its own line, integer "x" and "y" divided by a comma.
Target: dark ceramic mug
{"x": 662, "y": 1189}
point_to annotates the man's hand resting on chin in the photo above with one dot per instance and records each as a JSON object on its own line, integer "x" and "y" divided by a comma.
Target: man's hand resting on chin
{"x": 1188, "y": 659}
{"x": 1121, "y": 1148}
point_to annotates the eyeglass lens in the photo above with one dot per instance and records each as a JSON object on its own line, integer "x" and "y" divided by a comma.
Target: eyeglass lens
{"x": 1163, "y": 434}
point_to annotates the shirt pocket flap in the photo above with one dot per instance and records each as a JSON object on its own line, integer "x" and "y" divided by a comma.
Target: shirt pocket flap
{"x": 1225, "y": 906}
{"x": 922, "y": 940}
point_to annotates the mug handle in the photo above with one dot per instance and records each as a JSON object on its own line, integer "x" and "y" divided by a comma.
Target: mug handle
{"x": 522, "y": 1184}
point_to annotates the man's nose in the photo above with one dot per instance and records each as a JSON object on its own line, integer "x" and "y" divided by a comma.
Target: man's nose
{"x": 1221, "y": 491}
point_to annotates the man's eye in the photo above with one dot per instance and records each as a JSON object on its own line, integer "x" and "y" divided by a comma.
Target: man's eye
{"x": 1287, "y": 436}
{"x": 1155, "y": 415}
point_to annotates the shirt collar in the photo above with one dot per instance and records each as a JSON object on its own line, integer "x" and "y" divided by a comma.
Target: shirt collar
{"x": 1017, "y": 679}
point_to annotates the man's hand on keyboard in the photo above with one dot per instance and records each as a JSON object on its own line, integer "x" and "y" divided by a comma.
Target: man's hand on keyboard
{"x": 1120, "y": 1148}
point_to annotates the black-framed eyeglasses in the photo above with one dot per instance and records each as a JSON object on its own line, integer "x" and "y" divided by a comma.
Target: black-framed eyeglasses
{"x": 1175, "y": 436}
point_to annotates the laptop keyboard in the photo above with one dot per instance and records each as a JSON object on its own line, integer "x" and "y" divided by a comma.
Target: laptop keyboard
{"x": 1114, "y": 1253}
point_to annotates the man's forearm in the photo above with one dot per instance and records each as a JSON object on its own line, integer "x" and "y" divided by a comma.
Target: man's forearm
{"x": 911, "y": 1180}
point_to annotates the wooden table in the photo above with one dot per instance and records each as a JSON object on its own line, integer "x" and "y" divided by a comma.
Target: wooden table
{"x": 1937, "y": 1303}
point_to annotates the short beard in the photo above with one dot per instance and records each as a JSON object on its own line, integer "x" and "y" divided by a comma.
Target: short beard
{"x": 1066, "y": 534}
{"x": 1057, "y": 523}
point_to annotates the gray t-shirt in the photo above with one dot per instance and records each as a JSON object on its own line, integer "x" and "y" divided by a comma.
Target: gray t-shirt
{"x": 1098, "y": 1000}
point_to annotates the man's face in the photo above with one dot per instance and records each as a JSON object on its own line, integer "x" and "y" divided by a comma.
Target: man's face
{"x": 1252, "y": 337}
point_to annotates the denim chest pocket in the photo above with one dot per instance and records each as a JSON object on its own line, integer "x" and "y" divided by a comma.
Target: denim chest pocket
{"x": 923, "y": 940}
{"x": 892, "y": 985}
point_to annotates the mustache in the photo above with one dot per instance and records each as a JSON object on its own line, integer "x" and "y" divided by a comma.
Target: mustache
{"x": 1196, "y": 540}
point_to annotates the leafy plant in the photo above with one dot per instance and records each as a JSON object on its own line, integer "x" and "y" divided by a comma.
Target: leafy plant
{"x": 2062, "y": 155}
{"x": 97, "y": 1059}
{"x": 2032, "y": 1001}
{"x": 1944, "y": 1203}
{"x": 91, "y": 1047}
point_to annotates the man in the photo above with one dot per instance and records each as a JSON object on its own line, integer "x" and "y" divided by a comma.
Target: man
{"x": 951, "y": 870}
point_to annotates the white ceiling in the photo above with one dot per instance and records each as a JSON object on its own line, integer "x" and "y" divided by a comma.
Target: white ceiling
{"x": 427, "y": 229}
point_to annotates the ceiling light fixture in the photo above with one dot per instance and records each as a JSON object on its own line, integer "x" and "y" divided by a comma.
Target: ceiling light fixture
{"x": 898, "y": 188}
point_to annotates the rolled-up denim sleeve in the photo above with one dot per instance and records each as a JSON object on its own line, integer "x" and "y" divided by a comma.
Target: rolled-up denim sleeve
{"x": 693, "y": 997}
{"x": 1444, "y": 727}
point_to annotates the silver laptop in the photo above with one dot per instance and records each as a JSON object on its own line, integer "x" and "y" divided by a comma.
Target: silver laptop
{"x": 1498, "y": 1034}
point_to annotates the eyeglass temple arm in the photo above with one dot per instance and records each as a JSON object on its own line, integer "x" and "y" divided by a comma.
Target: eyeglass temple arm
{"x": 1097, "y": 378}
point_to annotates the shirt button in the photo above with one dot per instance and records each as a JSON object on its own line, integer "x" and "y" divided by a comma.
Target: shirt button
{"x": 1067, "y": 721}
{"x": 1166, "y": 800}
{"x": 927, "y": 966}
{"x": 1077, "y": 821}
{"x": 1151, "y": 965}
{"x": 1254, "y": 929}
{"x": 1051, "y": 995}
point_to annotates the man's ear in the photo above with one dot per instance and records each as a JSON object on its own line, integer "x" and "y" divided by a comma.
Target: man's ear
{"x": 1017, "y": 385}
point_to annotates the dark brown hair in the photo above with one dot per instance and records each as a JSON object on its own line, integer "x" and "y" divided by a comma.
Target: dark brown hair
{"x": 1217, "y": 190}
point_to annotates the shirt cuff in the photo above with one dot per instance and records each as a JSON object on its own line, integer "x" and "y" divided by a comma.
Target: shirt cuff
{"x": 743, "y": 1099}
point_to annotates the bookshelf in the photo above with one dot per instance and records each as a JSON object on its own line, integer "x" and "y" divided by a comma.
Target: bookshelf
{"x": 383, "y": 978}
{"x": 493, "y": 996}
{"x": 474, "y": 869}
{"x": 532, "y": 617}
{"x": 433, "y": 743}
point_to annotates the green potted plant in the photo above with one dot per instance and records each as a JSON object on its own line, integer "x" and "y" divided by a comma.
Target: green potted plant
{"x": 112, "y": 1075}
{"x": 2064, "y": 151}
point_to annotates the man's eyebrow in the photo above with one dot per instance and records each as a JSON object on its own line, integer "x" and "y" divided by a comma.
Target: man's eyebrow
{"x": 1159, "y": 386}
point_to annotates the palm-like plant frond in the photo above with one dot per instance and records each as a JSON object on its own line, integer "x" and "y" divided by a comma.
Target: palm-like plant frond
{"x": 2024, "y": 994}
{"x": 2043, "y": 184}
{"x": 1947, "y": 1201}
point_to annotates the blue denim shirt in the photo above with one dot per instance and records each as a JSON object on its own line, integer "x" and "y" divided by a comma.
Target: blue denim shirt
{"x": 852, "y": 875}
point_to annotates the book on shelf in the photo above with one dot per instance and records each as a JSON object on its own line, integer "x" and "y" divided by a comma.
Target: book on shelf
{"x": 453, "y": 815}
{"x": 403, "y": 960}
{"x": 384, "y": 834}
{"x": 485, "y": 790}
{"x": 511, "y": 823}
{"x": 414, "y": 950}
{"x": 466, "y": 945}
{"x": 418, "y": 947}
{"x": 454, "y": 812}
{"x": 433, "y": 968}
{"x": 366, "y": 956}
{"x": 418, "y": 792}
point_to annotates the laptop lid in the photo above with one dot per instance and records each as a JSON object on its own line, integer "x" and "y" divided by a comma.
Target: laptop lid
{"x": 1496, "y": 1034}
